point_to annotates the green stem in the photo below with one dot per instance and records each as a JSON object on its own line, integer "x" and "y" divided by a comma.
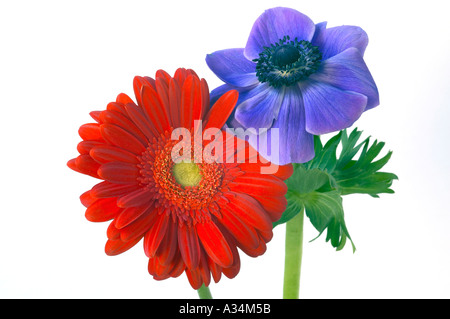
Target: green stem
{"x": 204, "y": 292}
{"x": 293, "y": 256}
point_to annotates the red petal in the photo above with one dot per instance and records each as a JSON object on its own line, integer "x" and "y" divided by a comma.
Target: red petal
{"x": 232, "y": 271}
{"x": 106, "y": 189}
{"x": 266, "y": 234}
{"x": 95, "y": 115}
{"x": 162, "y": 271}
{"x": 205, "y": 98}
{"x": 259, "y": 184}
{"x": 258, "y": 251}
{"x": 156, "y": 270}
{"x": 112, "y": 232}
{"x": 215, "y": 269}
{"x": 191, "y": 72}
{"x": 140, "y": 119}
{"x": 215, "y": 244}
{"x": 191, "y": 102}
{"x": 168, "y": 247}
{"x": 138, "y": 83}
{"x": 102, "y": 210}
{"x": 175, "y": 103}
{"x": 124, "y": 99}
{"x": 116, "y": 107}
{"x": 180, "y": 76}
{"x": 162, "y": 76}
{"x": 162, "y": 88}
{"x": 243, "y": 233}
{"x": 90, "y": 132}
{"x": 138, "y": 197}
{"x": 72, "y": 165}
{"x": 178, "y": 267}
{"x": 283, "y": 172}
{"x": 153, "y": 238}
{"x": 87, "y": 199}
{"x": 87, "y": 165}
{"x": 236, "y": 150}
{"x": 204, "y": 269}
{"x": 116, "y": 247}
{"x": 129, "y": 215}
{"x": 118, "y": 119}
{"x": 189, "y": 246}
{"x": 274, "y": 206}
{"x": 139, "y": 226}
{"x": 107, "y": 153}
{"x": 119, "y": 137}
{"x": 119, "y": 173}
{"x": 221, "y": 110}
{"x": 194, "y": 277}
{"x": 249, "y": 210}
{"x": 85, "y": 146}
{"x": 159, "y": 270}
{"x": 154, "y": 110}
{"x": 150, "y": 80}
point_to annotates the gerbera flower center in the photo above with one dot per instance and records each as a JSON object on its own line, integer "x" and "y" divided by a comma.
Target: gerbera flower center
{"x": 287, "y": 62}
{"x": 184, "y": 188}
{"x": 187, "y": 174}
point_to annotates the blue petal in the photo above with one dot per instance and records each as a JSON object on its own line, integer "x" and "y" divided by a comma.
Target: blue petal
{"x": 294, "y": 143}
{"x": 329, "y": 109}
{"x": 243, "y": 94}
{"x": 219, "y": 91}
{"x": 232, "y": 67}
{"x": 320, "y": 27}
{"x": 260, "y": 107}
{"x": 348, "y": 71}
{"x": 273, "y": 25}
{"x": 334, "y": 40}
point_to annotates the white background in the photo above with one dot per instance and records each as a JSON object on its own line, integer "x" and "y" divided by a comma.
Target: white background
{"x": 59, "y": 60}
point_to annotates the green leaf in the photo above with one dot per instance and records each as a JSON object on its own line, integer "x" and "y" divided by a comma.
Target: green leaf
{"x": 361, "y": 176}
{"x": 317, "y": 186}
{"x": 300, "y": 184}
{"x": 304, "y": 181}
{"x": 349, "y": 149}
{"x": 325, "y": 156}
{"x": 325, "y": 211}
{"x": 294, "y": 206}
{"x": 312, "y": 190}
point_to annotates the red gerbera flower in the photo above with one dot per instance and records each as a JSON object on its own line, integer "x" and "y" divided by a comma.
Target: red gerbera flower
{"x": 192, "y": 216}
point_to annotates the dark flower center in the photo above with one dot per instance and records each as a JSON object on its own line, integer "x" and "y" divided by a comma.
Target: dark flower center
{"x": 287, "y": 62}
{"x": 285, "y": 55}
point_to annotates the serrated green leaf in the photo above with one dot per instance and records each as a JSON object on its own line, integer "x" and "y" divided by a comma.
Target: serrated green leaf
{"x": 301, "y": 183}
{"x": 349, "y": 149}
{"x": 317, "y": 186}
{"x": 325, "y": 212}
{"x": 292, "y": 209}
{"x": 325, "y": 156}
{"x": 304, "y": 181}
{"x": 361, "y": 176}
{"x": 311, "y": 190}
{"x": 373, "y": 185}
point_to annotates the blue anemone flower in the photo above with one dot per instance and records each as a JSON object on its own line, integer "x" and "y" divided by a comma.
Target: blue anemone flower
{"x": 303, "y": 78}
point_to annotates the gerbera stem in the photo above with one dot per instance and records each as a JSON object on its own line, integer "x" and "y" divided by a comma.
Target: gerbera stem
{"x": 293, "y": 256}
{"x": 204, "y": 292}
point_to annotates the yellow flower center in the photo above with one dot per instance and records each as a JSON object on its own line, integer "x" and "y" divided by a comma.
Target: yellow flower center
{"x": 187, "y": 174}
